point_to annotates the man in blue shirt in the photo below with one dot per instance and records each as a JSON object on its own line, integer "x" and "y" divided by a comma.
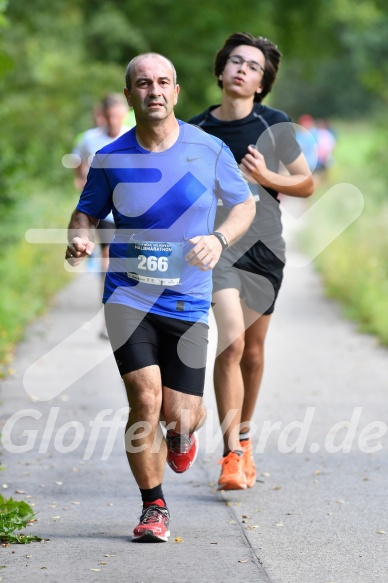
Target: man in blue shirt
{"x": 162, "y": 181}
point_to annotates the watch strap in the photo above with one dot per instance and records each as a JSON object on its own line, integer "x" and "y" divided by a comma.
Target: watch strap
{"x": 222, "y": 239}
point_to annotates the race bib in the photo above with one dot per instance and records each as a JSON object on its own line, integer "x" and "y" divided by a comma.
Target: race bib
{"x": 155, "y": 262}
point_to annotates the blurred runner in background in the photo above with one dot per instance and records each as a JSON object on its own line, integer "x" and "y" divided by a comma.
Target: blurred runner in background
{"x": 111, "y": 117}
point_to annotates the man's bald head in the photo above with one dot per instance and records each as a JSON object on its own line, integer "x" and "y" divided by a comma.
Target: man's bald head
{"x": 138, "y": 58}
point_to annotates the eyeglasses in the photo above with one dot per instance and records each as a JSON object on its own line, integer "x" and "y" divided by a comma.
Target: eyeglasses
{"x": 253, "y": 65}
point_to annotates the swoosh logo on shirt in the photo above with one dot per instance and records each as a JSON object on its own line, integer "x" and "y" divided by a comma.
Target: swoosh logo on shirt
{"x": 192, "y": 159}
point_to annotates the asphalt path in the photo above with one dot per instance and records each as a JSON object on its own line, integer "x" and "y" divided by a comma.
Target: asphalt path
{"x": 318, "y": 511}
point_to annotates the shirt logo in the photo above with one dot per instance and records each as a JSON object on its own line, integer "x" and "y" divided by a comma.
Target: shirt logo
{"x": 192, "y": 159}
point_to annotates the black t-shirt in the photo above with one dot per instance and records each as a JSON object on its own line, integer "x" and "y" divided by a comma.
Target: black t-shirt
{"x": 271, "y": 131}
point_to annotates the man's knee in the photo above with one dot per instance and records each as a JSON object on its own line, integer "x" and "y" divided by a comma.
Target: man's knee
{"x": 253, "y": 358}
{"x": 233, "y": 351}
{"x": 143, "y": 400}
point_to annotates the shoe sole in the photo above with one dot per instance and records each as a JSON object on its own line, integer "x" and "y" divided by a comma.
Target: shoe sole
{"x": 251, "y": 482}
{"x": 232, "y": 486}
{"x": 148, "y": 536}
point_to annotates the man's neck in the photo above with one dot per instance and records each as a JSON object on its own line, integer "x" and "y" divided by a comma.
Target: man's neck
{"x": 232, "y": 108}
{"x": 157, "y": 137}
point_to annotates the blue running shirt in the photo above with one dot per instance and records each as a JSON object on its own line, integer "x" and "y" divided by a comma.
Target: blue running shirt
{"x": 159, "y": 201}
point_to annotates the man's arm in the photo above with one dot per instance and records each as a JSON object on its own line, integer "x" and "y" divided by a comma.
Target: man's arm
{"x": 207, "y": 249}
{"x": 81, "y": 173}
{"x": 298, "y": 183}
{"x": 80, "y": 237}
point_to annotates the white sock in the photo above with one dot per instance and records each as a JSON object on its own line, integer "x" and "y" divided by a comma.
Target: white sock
{"x": 244, "y": 436}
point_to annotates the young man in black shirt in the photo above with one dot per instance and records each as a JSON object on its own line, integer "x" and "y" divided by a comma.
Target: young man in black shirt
{"x": 247, "y": 279}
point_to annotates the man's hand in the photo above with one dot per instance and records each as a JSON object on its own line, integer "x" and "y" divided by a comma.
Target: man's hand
{"x": 253, "y": 166}
{"x": 205, "y": 253}
{"x": 77, "y": 249}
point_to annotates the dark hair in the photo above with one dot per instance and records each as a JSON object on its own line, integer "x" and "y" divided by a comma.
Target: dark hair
{"x": 271, "y": 53}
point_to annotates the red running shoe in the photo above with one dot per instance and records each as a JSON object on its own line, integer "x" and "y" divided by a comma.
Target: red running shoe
{"x": 153, "y": 525}
{"x": 182, "y": 449}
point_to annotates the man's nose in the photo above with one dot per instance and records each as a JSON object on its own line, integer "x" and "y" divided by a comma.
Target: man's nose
{"x": 154, "y": 89}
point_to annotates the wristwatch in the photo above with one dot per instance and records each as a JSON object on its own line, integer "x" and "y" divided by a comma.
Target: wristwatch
{"x": 222, "y": 239}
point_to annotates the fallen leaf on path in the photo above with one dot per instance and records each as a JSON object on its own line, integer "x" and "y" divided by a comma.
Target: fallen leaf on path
{"x": 178, "y": 539}
{"x": 277, "y": 488}
{"x": 107, "y": 555}
{"x": 243, "y": 560}
{"x": 20, "y": 492}
{"x": 102, "y": 563}
{"x": 77, "y": 503}
{"x": 96, "y": 570}
{"x": 380, "y": 531}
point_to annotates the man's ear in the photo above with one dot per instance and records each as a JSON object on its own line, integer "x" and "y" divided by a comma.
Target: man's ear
{"x": 177, "y": 89}
{"x": 127, "y": 94}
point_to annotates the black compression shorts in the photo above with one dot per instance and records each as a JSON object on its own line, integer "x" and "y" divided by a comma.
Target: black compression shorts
{"x": 257, "y": 275}
{"x": 103, "y": 238}
{"x": 178, "y": 347}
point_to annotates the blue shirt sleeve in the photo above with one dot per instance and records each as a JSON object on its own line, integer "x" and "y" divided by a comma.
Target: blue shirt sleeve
{"x": 96, "y": 197}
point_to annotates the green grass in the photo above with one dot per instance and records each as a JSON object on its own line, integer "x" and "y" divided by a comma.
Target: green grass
{"x": 31, "y": 273}
{"x": 354, "y": 266}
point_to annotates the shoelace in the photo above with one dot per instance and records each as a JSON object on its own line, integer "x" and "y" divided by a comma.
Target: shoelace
{"x": 179, "y": 443}
{"x": 230, "y": 461}
{"x": 151, "y": 514}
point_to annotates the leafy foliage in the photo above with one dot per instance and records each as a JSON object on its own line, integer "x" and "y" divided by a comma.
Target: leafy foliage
{"x": 15, "y": 515}
{"x": 58, "y": 58}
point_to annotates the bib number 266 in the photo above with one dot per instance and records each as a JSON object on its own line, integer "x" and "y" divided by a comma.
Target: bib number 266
{"x": 152, "y": 263}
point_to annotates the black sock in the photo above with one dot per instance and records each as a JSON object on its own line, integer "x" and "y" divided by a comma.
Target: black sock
{"x": 152, "y": 494}
{"x": 238, "y": 451}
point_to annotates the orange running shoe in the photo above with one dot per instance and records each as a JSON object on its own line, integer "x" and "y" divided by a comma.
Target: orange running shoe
{"x": 232, "y": 472}
{"x": 249, "y": 462}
